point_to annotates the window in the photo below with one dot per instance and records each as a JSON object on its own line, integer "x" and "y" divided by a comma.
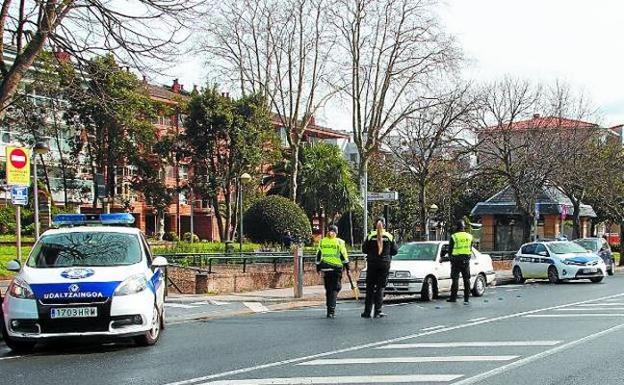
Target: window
{"x": 183, "y": 171}
{"x": 417, "y": 252}
{"x": 5, "y": 137}
{"x": 528, "y": 249}
{"x": 540, "y": 249}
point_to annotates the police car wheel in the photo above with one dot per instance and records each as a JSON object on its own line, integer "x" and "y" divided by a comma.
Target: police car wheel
{"x": 553, "y": 275}
{"x": 479, "y": 286}
{"x": 151, "y": 336}
{"x": 517, "y": 274}
{"x": 18, "y": 346}
{"x": 596, "y": 279}
{"x": 611, "y": 270}
{"x": 428, "y": 289}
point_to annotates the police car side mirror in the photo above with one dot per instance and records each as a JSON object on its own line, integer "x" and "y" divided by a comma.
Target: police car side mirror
{"x": 445, "y": 258}
{"x": 160, "y": 262}
{"x": 13, "y": 266}
{"x": 543, "y": 253}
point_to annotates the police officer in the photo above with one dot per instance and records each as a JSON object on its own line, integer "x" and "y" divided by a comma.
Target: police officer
{"x": 379, "y": 247}
{"x": 331, "y": 257}
{"x": 460, "y": 250}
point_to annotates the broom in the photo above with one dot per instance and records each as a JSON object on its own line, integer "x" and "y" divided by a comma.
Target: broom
{"x": 354, "y": 289}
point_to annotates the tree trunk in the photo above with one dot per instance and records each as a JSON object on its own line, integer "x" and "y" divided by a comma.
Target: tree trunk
{"x": 294, "y": 158}
{"x": 228, "y": 213}
{"x": 621, "y": 242}
{"x": 219, "y": 217}
{"x": 576, "y": 219}
{"x": 160, "y": 218}
{"x": 61, "y": 159}
{"x": 423, "y": 213}
{"x": 45, "y": 174}
{"x": 526, "y": 228}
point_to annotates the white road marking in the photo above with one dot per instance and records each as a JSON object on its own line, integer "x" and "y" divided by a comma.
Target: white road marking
{"x": 591, "y": 309}
{"x": 602, "y": 304}
{"x": 510, "y": 286}
{"x": 10, "y": 358}
{"x": 406, "y": 360}
{"x": 433, "y": 328}
{"x": 495, "y": 372}
{"x": 218, "y": 303}
{"x": 573, "y": 315}
{"x": 201, "y": 303}
{"x": 342, "y": 380}
{"x": 256, "y": 307}
{"x": 477, "y": 319}
{"x": 180, "y": 305}
{"x": 479, "y": 344}
{"x": 379, "y": 343}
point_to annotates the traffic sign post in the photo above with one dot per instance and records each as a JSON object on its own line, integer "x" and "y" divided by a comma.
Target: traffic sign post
{"x": 384, "y": 196}
{"x": 18, "y": 166}
{"x": 19, "y": 197}
{"x": 564, "y": 215}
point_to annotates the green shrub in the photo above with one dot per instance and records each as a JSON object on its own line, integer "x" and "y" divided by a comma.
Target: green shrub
{"x": 200, "y": 247}
{"x": 344, "y": 227}
{"x": 268, "y": 219}
{"x": 187, "y": 237}
{"x": 171, "y": 236}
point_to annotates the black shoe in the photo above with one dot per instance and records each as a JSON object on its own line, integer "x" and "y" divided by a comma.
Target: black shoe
{"x": 466, "y": 302}
{"x": 451, "y": 300}
{"x": 380, "y": 315}
{"x": 365, "y": 315}
{"x": 331, "y": 315}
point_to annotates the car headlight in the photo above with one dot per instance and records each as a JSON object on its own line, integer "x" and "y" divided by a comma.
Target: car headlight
{"x": 363, "y": 274}
{"x": 402, "y": 274}
{"x": 20, "y": 289}
{"x": 132, "y": 285}
{"x": 574, "y": 263}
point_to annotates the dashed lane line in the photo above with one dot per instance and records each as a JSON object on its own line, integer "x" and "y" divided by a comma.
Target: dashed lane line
{"x": 475, "y": 344}
{"x": 405, "y": 360}
{"x": 342, "y": 380}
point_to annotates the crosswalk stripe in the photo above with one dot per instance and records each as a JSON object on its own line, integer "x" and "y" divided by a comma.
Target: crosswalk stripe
{"x": 480, "y": 344}
{"x": 256, "y": 307}
{"x": 433, "y": 328}
{"x": 405, "y": 360}
{"x": 591, "y": 309}
{"x": 201, "y": 303}
{"x": 218, "y": 303}
{"x": 342, "y": 380}
{"x": 180, "y": 305}
{"x": 573, "y": 315}
{"x": 601, "y": 304}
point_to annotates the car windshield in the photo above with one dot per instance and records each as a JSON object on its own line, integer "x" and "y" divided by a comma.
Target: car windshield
{"x": 417, "y": 252}
{"x": 85, "y": 249}
{"x": 566, "y": 248}
{"x": 588, "y": 244}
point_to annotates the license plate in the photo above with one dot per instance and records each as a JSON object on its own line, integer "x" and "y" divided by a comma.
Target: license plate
{"x": 591, "y": 270}
{"x": 73, "y": 312}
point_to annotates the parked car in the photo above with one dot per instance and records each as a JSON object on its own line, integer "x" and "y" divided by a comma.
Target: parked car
{"x": 557, "y": 261}
{"x": 424, "y": 268}
{"x": 601, "y": 247}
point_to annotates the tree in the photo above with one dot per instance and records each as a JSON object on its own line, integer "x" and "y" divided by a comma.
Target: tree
{"x": 430, "y": 144}
{"x": 271, "y": 217}
{"x": 394, "y": 50}
{"x": 281, "y": 50}
{"x": 110, "y": 115}
{"x": 326, "y": 181}
{"x": 226, "y": 138}
{"x": 83, "y": 29}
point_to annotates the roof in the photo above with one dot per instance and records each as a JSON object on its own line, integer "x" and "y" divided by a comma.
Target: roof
{"x": 315, "y": 128}
{"x": 550, "y": 201}
{"x": 94, "y": 229}
{"x": 162, "y": 92}
{"x": 540, "y": 122}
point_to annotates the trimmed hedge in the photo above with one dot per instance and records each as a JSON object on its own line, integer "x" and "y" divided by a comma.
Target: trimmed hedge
{"x": 268, "y": 219}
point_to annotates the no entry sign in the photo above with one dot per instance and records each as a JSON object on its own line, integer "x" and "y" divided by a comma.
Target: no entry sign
{"x": 18, "y": 166}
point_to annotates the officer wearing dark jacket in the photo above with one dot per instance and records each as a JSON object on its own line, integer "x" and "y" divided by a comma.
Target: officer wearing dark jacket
{"x": 331, "y": 258}
{"x": 379, "y": 247}
{"x": 460, "y": 251}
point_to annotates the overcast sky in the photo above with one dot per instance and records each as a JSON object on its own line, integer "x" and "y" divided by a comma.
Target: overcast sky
{"x": 578, "y": 41}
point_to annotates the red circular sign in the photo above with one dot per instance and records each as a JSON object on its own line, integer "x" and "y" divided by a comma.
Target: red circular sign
{"x": 18, "y": 158}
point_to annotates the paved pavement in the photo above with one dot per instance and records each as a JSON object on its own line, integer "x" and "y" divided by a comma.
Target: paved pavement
{"x": 516, "y": 334}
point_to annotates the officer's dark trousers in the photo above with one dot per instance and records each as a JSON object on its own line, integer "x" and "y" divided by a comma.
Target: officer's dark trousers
{"x": 460, "y": 264}
{"x": 332, "y": 279}
{"x": 376, "y": 280}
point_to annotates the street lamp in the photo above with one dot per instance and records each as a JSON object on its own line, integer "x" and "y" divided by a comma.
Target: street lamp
{"x": 245, "y": 177}
{"x": 39, "y": 149}
{"x": 430, "y": 211}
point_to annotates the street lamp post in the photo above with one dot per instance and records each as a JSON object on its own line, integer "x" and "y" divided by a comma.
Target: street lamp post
{"x": 39, "y": 149}
{"x": 432, "y": 210}
{"x": 243, "y": 178}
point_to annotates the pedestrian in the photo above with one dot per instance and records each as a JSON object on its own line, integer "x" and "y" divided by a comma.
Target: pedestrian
{"x": 460, "y": 251}
{"x": 287, "y": 240}
{"x": 379, "y": 247}
{"x": 331, "y": 258}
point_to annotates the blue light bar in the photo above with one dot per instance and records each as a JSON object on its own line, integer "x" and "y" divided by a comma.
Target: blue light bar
{"x": 95, "y": 219}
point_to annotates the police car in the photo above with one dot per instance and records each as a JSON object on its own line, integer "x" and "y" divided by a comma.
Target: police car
{"x": 557, "y": 261}
{"x": 93, "y": 276}
{"x": 424, "y": 268}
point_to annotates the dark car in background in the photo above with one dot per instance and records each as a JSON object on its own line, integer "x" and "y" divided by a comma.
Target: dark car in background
{"x": 601, "y": 247}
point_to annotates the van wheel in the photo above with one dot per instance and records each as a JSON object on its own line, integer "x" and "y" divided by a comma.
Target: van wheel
{"x": 596, "y": 279}
{"x": 611, "y": 270}
{"x": 517, "y": 274}
{"x": 479, "y": 286}
{"x": 151, "y": 336}
{"x": 428, "y": 289}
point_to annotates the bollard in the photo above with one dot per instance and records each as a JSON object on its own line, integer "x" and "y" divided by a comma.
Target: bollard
{"x": 298, "y": 271}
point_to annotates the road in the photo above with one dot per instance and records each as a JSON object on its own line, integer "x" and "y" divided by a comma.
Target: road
{"x": 532, "y": 334}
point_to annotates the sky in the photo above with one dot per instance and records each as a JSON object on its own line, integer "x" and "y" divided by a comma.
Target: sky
{"x": 578, "y": 41}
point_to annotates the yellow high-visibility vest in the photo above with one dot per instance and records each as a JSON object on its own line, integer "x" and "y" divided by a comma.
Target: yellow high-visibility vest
{"x": 462, "y": 243}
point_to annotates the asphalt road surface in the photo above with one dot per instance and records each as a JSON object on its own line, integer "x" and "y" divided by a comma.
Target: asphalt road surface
{"x": 531, "y": 334}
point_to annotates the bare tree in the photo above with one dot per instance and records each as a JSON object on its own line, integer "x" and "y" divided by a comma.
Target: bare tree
{"x": 394, "y": 50}
{"x": 431, "y": 143}
{"x": 280, "y": 49}
{"x": 137, "y": 32}
{"x": 521, "y": 155}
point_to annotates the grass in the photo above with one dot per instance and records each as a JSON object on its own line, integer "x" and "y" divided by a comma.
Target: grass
{"x": 11, "y": 238}
{"x": 616, "y": 256}
{"x": 9, "y": 253}
{"x": 201, "y": 247}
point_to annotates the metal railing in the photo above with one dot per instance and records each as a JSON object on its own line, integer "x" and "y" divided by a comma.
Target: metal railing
{"x": 203, "y": 261}
{"x": 501, "y": 255}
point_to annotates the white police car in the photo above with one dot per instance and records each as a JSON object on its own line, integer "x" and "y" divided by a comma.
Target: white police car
{"x": 557, "y": 261}
{"x": 81, "y": 280}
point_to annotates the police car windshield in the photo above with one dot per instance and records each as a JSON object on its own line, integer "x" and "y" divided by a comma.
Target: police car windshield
{"x": 566, "y": 248}
{"x": 588, "y": 244}
{"x": 86, "y": 249}
{"x": 417, "y": 252}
